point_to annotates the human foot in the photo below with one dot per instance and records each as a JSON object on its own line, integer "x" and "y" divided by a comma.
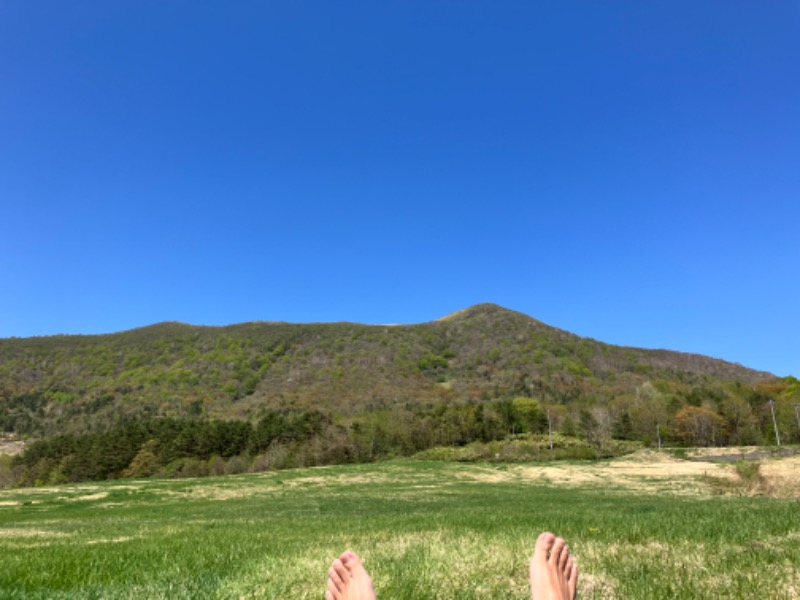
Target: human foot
{"x": 348, "y": 580}
{"x": 554, "y": 574}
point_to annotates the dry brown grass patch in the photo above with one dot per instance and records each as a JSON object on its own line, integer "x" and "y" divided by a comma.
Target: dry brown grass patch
{"x": 88, "y": 497}
{"x": 22, "y": 532}
{"x": 645, "y": 471}
{"x": 782, "y": 476}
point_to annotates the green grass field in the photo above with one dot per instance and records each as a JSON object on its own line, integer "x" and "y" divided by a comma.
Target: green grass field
{"x": 424, "y": 530}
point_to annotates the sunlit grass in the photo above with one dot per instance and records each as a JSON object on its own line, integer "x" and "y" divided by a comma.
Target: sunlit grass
{"x": 425, "y": 530}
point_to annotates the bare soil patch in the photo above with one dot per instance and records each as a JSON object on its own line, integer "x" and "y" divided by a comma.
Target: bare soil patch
{"x": 10, "y": 445}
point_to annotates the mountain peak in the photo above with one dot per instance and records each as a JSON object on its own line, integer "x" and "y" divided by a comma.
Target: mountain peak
{"x": 484, "y": 308}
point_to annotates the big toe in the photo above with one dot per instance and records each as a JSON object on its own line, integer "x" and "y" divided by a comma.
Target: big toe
{"x": 352, "y": 561}
{"x": 544, "y": 544}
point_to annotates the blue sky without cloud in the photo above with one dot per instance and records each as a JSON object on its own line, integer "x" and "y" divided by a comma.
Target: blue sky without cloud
{"x": 628, "y": 171}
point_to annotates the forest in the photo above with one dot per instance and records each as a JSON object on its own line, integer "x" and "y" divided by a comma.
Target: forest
{"x": 178, "y": 400}
{"x": 192, "y": 447}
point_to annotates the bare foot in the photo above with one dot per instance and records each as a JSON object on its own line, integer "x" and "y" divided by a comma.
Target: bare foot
{"x": 348, "y": 580}
{"x": 554, "y": 574}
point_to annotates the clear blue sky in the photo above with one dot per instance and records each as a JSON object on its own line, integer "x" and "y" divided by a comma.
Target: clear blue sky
{"x": 628, "y": 171}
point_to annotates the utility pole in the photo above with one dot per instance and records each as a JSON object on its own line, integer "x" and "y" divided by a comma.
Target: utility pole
{"x": 550, "y": 428}
{"x": 797, "y": 414}
{"x": 658, "y": 436}
{"x": 774, "y": 421}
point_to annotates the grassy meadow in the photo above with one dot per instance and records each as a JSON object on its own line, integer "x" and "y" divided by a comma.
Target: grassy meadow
{"x": 645, "y": 526}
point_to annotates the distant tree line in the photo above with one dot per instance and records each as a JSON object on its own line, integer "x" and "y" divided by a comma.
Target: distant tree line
{"x": 168, "y": 447}
{"x": 285, "y": 438}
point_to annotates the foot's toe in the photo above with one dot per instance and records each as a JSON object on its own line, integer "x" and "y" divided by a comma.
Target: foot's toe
{"x": 544, "y": 545}
{"x": 332, "y": 592}
{"x": 556, "y": 552}
{"x": 563, "y": 559}
{"x": 572, "y": 581}
{"x": 339, "y": 575}
{"x": 352, "y": 562}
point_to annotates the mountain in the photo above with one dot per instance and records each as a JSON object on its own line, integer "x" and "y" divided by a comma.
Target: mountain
{"x": 70, "y": 383}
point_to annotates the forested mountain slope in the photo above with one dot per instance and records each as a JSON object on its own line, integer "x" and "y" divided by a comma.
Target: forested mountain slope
{"x": 79, "y": 383}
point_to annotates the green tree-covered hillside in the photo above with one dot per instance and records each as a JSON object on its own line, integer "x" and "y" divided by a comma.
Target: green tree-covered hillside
{"x": 483, "y": 354}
